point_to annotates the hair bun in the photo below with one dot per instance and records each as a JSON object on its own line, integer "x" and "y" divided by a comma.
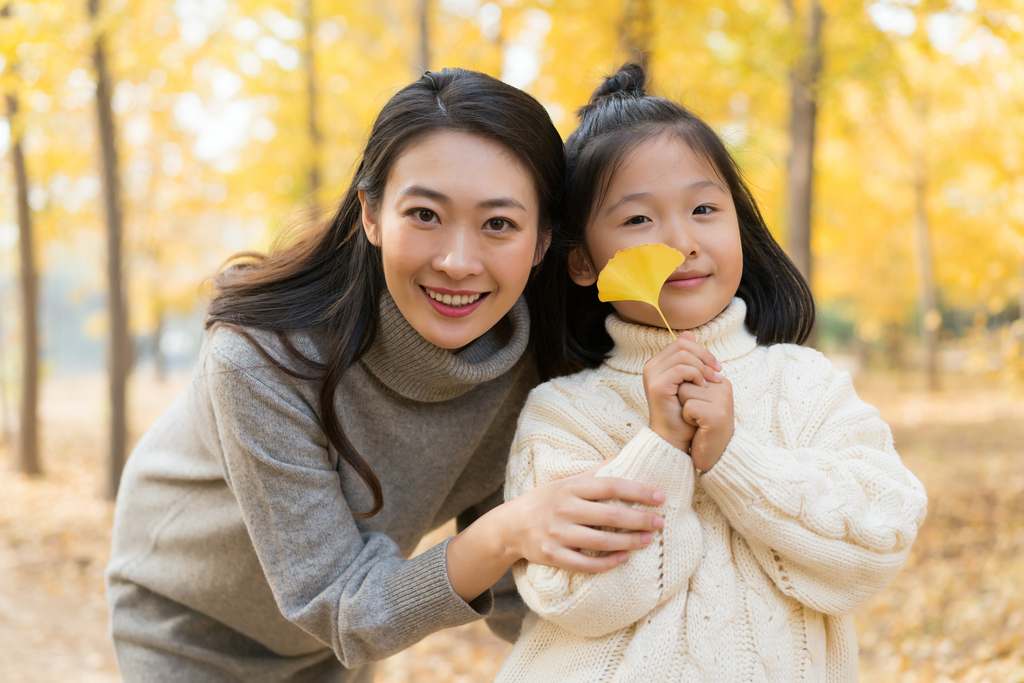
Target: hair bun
{"x": 630, "y": 79}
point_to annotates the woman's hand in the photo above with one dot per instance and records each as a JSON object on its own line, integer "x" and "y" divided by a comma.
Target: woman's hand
{"x": 550, "y": 525}
{"x": 708, "y": 410}
{"x": 680, "y": 363}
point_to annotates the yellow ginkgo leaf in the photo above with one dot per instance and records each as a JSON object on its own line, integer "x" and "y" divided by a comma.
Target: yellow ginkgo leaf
{"x": 637, "y": 274}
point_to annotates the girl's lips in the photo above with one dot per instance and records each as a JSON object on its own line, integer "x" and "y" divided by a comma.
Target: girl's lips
{"x": 454, "y": 311}
{"x": 687, "y": 282}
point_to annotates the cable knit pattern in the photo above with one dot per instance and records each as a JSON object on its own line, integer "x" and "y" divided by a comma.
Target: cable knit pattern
{"x": 807, "y": 514}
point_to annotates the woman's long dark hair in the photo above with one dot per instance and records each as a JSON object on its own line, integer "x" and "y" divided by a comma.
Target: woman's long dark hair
{"x": 332, "y": 279}
{"x": 620, "y": 116}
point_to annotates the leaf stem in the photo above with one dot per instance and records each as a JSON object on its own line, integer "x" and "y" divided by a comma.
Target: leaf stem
{"x": 667, "y": 326}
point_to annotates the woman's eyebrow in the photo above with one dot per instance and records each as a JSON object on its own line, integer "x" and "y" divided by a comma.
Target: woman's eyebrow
{"x": 501, "y": 202}
{"x": 420, "y": 191}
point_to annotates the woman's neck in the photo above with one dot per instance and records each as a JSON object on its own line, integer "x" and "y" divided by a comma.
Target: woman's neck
{"x": 408, "y": 364}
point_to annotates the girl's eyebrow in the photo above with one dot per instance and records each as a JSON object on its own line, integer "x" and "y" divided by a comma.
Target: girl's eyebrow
{"x": 698, "y": 185}
{"x": 628, "y": 198}
{"x": 420, "y": 191}
{"x": 701, "y": 184}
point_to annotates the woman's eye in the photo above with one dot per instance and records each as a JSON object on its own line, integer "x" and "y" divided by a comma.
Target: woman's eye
{"x": 637, "y": 220}
{"x": 425, "y": 215}
{"x": 499, "y": 224}
{"x": 703, "y": 210}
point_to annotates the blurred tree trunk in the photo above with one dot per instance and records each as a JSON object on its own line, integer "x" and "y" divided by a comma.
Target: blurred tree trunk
{"x": 1020, "y": 281}
{"x": 637, "y": 30}
{"x": 28, "y": 424}
{"x": 5, "y": 426}
{"x": 311, "y": 98}
{"x": 120, "y": 349}
{"x": 931, "y": 319}
{"x": 894, "y": 335}
{"x": 802, "y": 124}
{"x": 422, "y": 64}
{"x": 159, "y": 360}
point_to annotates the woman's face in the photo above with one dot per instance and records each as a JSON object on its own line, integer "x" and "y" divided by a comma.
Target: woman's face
{"x": 457, "y": 227}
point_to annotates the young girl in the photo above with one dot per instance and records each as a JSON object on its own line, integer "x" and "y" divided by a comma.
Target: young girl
{"x": 786, "y": 504}
{"x": 357, "y": 389}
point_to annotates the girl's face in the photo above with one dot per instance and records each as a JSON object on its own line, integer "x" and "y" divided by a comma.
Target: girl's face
{"x": 664, "y": 193}
{"x": 458, "y": 231}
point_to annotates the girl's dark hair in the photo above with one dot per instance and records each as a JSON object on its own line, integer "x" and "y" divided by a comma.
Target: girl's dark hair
{"x": 331, "y": 279}
{"x": 620, "y": 116}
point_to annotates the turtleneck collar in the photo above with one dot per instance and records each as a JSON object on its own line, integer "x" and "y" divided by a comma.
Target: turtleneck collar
{"x": 724, "y": 336}
{"x": 413, "y": 367}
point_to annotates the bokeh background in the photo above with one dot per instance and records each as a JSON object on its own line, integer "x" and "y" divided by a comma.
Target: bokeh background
{"x": 145, "y": 141}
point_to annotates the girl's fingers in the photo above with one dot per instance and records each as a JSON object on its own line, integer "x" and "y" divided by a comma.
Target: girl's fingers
{"x": 704, "y": 362}
{"x": 682, "y": 366}
{"x": 688, "y": 391}
{"x": 707, "y": 413}
{"x": 697, "y": 350}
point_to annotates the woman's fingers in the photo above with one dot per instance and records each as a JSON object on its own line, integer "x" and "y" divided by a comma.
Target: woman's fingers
{"x": 606, "y": 488}
{"x": 575, "y": 561}
{"x": 592, "y": 514}
{"x": 607, "y": 541}
{"x": 553, "y": 521}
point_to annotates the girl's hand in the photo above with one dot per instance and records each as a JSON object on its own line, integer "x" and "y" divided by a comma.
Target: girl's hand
{"x": 681, "y": 362}
{"x": 708, "y": 410}
{"x": 550, "y": 524}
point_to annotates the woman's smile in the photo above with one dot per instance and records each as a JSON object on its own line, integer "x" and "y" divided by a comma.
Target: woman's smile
{"x": 454, "y": 304}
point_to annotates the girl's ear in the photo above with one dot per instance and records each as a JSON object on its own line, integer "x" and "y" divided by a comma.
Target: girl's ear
{"x": 581, "y": 270}
{"x": 370, "y": 226}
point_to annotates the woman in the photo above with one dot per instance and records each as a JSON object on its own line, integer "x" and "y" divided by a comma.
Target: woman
{"x": 357, "y": 389}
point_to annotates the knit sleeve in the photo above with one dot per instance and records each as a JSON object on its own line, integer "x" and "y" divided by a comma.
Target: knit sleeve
{"x": 831, "y": 514}
{"x": 506, "y": 618}
{"x": 556, "y": 440}
{"x": 351, "y": 590}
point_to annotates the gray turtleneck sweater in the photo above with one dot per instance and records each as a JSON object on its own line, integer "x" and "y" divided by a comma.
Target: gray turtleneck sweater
{"x": 234, "y": 507}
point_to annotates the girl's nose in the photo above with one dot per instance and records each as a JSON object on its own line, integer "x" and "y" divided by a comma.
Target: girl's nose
{"x": 459, "y": 255}
{"x": 682, "y": 238}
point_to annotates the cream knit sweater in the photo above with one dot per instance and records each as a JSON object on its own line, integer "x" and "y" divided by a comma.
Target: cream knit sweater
{"x": 760, "y": 561}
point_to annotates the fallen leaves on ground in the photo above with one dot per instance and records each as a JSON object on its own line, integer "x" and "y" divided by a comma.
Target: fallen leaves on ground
{"x": 956, "y": 613}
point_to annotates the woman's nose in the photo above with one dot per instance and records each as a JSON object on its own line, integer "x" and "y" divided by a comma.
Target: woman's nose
{"x": 459, "y": 255}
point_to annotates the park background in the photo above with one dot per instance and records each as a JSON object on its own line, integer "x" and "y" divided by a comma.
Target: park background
{"x": 143, "y": 142}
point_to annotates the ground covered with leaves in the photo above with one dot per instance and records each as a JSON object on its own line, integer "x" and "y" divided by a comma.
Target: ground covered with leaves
{"x": 956, "y": 613}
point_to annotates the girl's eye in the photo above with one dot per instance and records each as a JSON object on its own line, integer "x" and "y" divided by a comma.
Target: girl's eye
{"x": 703, "y": 210}
{"x": 499, "y": 224}
{"x": 637, "y": 220}
{"x": 425, "y": 215}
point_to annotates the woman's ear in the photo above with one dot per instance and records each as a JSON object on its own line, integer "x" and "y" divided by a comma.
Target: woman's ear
{"x": 370, "y": 226}
{"x": 581, "y": 270}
